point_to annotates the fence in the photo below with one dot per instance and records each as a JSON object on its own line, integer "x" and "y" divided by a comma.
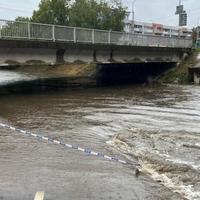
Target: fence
{"x": 35, "y": 31}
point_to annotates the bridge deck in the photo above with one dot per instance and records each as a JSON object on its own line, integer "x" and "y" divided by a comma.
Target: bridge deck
{"x": 10, "y": 30}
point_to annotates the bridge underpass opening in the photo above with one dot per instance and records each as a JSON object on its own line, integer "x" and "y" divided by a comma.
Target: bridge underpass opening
{"x": 130, "y": 73}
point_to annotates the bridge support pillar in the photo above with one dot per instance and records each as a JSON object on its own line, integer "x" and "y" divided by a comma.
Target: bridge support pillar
{"x": 60, "y": 56}
{"x": 111, "y": 56}
{"x": 194, "y": 75}
{"x": 94, "y": 56}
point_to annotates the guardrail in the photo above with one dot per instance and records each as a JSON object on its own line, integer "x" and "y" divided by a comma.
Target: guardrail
{"x": 55, "y": 33}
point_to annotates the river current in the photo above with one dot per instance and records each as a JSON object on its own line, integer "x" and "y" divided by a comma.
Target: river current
{"x": 155, "y": 127}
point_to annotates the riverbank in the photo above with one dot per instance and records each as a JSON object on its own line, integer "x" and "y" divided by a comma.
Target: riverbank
{"x": 36, "y": 77}
{"x": 45, "y": 77}
{"x": 180, "y": 74}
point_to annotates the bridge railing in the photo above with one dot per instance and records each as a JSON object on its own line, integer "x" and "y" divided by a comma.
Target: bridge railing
{"x": 36, "y": 31}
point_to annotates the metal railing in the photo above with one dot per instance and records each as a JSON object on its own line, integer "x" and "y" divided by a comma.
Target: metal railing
{"x": 48, "y": 32}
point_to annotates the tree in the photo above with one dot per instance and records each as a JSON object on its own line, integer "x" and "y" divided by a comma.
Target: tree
{"x": 18, "y": 28}
{"x": 52, "y": 12}
{"x": 115, "y": 15}
{"x": 84, "y": 13}
{"x": 22, "y": 19}
{"x": 97, "y": 14}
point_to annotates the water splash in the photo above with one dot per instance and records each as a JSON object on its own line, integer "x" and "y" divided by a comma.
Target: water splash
{"x": 162, "y": 157}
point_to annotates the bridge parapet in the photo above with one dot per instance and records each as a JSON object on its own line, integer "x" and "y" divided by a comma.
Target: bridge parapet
{"x": 16, "y": 30}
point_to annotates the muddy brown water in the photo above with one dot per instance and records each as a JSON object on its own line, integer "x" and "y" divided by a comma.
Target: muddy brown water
{"x": 156, "y": 127}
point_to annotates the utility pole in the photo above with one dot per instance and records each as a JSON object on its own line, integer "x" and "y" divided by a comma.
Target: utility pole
{"x": 133, "y": 15}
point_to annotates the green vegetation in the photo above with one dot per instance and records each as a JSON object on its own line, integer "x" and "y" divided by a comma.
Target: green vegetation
{"x": 52, "y": 12}
{"x": 22, "y": 19}
{"x": 13, "y": 27}
{"x": 179, "y": 74}
{"x": 97, "y": 14}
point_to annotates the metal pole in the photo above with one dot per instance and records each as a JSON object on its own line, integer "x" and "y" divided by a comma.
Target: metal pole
{"x": 53, "y": 33}
{"x": 109, "y": 35}
{"x": 142, "y": 28}
{"x": 198, "y": 35}
{"x": 29, "y": 31}
{"x": 133, "y": 15}
{"x": 0, "y": 30}
{"x": 93, "y": 36}
{"x": 198, "y": 29}
{"x": 197, "y": 32}
{"x": 74, "y": 35}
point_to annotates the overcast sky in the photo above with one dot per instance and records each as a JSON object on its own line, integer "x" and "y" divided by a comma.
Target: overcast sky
{"x": 158, "y": 11}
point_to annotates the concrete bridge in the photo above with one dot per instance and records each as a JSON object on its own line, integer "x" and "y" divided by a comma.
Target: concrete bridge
{"x": 25, "y": 43}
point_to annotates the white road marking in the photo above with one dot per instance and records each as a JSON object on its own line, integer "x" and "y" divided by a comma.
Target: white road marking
{"x": 39, "y": 196}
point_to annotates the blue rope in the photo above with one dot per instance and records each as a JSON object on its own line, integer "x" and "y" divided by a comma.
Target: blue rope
{"x": 75, "y": 147}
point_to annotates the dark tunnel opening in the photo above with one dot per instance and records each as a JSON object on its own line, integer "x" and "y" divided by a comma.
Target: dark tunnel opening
{"x": 129, "y": 73}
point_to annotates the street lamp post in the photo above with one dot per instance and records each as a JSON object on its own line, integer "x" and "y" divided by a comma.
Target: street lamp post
{"x": 133, "y": 15}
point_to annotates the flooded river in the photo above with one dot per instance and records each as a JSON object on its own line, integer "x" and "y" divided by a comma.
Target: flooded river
{"x": 156, "y": 127}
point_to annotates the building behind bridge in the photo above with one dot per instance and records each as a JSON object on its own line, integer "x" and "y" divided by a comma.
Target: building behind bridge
{"x": 132, "y": 26}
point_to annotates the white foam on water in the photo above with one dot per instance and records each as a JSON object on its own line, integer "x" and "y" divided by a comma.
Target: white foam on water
{"x": 10, "y": 76}
{"x": 187, "y": 191}
{"x": 178, "y": 161}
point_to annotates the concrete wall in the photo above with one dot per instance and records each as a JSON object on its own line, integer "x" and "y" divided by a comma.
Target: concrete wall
{"x": 196, "y": 79}
{"x": 146, "y": 56}
{"x": 194, "y": 73}
{"x": 25, "y": 55}
{"x": 49, "y": 52}
{"x": 74, "y": 55}
{"x": 104, "y": 56}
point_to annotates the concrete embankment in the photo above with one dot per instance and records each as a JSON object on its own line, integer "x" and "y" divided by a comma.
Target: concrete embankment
{"x": 37, "y": 77}
{"x": 81, "y": 75}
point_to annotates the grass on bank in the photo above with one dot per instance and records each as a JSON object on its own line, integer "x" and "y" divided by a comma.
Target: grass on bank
{"x": 180, "y": 74}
